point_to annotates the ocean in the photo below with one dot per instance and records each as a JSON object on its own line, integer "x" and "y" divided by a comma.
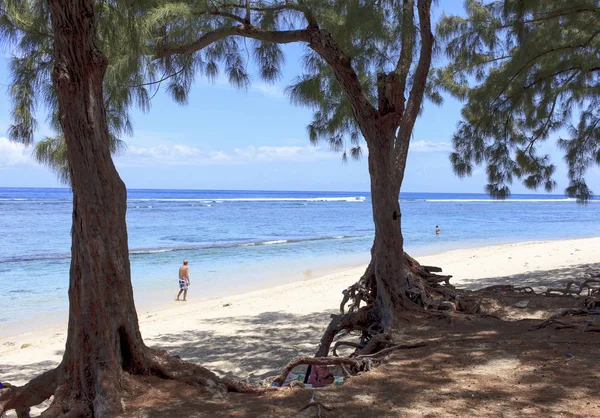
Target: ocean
{"x": 238, "y": 241}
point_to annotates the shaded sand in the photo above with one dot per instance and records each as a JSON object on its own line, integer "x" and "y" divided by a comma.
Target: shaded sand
{"x": 253, "y": 335}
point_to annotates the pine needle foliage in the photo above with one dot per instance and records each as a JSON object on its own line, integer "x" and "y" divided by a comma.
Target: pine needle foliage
{"x": 369, "y": 32}
{"x": 526, "y": 70}
{"x": 25, "y": 32}
{"x": 210, "y": 38}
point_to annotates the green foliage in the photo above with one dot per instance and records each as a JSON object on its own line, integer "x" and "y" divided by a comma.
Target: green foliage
{"x": 526, "y": 70}
{"x": 368, "y": 32}
{"x": 25, "y": 32}
{"x": 132, "y": 33}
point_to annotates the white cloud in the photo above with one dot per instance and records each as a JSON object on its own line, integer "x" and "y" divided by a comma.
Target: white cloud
{"x": 12, "y": 154}
{"x": 181, "y": 155}
{"x": 269, "y": 90}
{"x": 430, "y": 146}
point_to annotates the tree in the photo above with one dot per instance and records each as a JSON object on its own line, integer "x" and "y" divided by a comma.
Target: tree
{"x": 366, "y": 69}
{"x": 104, "y": 344}
{"x": 366, "y": 74}
{"x": 526, "y": 70}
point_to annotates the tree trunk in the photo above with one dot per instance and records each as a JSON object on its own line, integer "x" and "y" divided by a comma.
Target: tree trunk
{"x": 387, "y": 262}
{"x": 103, "y": 333}
{"x": 385, "y": 279}
{"x": 103, "y": 339}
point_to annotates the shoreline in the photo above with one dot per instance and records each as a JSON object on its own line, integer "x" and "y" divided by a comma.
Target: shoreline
{"x": 275, "y": 280}
{"x": 230, "y": 334}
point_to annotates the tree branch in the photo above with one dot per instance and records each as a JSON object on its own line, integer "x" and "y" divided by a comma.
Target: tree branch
{"x": 308, "y": 15}
{"x": 247, "y": 31}
{"x": 22, "y": 25}
{"x": 406, "y": 53}
{"x": 322, "y": 42}
{"x": 541, "y": 54}
{"x": 418, "y": 88}
{"x": 163, "y": 78}
{"x": 533, "y": 83}
{"x": 552, "y": 15}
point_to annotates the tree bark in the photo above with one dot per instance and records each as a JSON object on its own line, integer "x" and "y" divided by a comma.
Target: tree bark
{"x": 387, "y": 263}
{"x": 103, "y": 333}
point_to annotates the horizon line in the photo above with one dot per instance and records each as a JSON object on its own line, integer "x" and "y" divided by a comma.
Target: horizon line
{"x": 283, "y": 190}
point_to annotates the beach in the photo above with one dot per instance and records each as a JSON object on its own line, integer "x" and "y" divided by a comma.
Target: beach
{"x": 242, "y": 241}
{"x": 252, "y": 335}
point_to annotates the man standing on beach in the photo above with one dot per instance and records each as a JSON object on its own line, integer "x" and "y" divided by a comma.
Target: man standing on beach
{"x": 184, "y": 280}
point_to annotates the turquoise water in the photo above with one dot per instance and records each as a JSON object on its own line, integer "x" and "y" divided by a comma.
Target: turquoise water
{"x": 242, "y": 240}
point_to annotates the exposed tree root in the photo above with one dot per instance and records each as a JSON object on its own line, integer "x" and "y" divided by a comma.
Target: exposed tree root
{"x": 575, "y": 288}
{"x": 357, "y": 363}
{"x": 318, "y": 405}
{"x": 506, "y": 288}
{"x": 577, "y": 323}
{"x": 423, "y": 284}
{"x": 343, "y": 343}
{"x": 21, "y": 398}
{"x": 434, "y": 294}
{"x": 42, "y": 387}
{"x": 424, "y": 290}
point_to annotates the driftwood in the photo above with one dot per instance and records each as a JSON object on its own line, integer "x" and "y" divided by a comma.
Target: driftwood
{"x": 357, "y": 363}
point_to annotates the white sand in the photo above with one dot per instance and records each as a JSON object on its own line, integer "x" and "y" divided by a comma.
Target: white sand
{"x": 255, "y": 333}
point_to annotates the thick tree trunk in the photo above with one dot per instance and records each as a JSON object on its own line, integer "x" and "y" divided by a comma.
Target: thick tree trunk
{"x": 383, "y": 285}
{"x": 387, "y": 263}
{"x": 103, "y": 332}
{"x": 103, "y": 340}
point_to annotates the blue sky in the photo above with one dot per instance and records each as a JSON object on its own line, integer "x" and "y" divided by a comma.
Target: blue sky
{"x": 253, "y": 140}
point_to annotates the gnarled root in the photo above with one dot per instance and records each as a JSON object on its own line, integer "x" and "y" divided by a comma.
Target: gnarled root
{"x": 506, "y": 288}
{"x": 586, "y": 325}
{"x": 359, "y": 320}
{"x": 358, "y": 363}
{"x": 425, "y": 287}
{"x": 575, "y": 288}
{"x": 106, "y": 399}
{"x": 174, "y": 368}
{"x": 318, "y": 405}
{"x": 21, "y": 398}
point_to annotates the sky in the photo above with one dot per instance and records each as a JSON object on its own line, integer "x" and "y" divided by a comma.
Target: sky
{"x": 225, "y": 138}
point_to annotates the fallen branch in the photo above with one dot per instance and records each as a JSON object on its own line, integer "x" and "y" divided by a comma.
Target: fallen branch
{"x": 506, "y": 288}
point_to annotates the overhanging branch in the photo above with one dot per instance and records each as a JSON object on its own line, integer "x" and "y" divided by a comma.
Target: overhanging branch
{"x": 247, "y": 31}
{"x": 541, "y": 54}
{"x": 321, "y": 41}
